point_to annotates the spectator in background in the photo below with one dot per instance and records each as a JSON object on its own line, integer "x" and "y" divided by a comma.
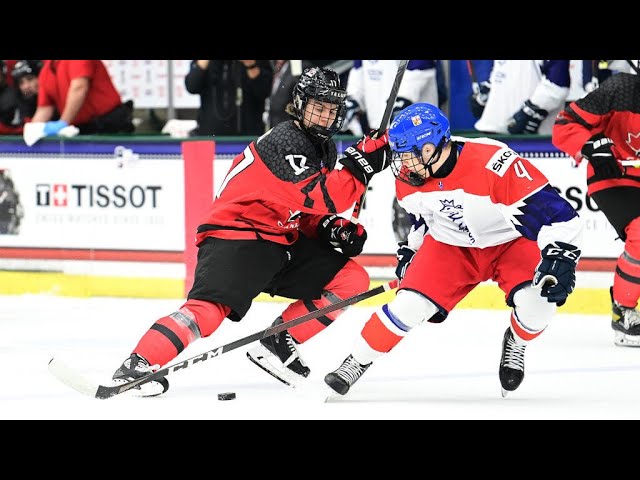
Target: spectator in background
{"x": 25, "y": 78}
{"x": 369, "y": 84}
{"x": 587, "y": 75}
{"x": 281, "y": 93}
{"x": 9, "y": 65}
{"x": 83, "y": 94}
{"x": 521, "y": 96}
{"x": 9, "y": 121}
{"x": 232, "y": 95}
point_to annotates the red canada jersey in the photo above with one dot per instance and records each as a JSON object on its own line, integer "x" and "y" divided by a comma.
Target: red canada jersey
{"x": 280, "y": 184}
{"x": 612, "y": 109}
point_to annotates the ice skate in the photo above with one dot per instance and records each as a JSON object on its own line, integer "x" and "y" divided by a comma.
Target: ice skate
{"x": 511, "y": 370}
{"x": 346, "y": 375}
{"x": 135, "y": 367}
{"x": 625, "y": 322}
{"x": 278, "y": 356}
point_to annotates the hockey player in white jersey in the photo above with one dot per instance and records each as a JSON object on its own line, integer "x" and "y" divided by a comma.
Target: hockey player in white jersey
{"x": 369, "y": 83}
{"x": 521, "y": 96}
{"x": 482, "y": 213}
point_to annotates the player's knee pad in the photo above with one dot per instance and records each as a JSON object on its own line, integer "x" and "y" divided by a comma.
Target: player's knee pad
{"x": 632, "y": 243}
{"x": 407, "y": 310}
{"x": 200, "y": 317}
{"x": 532, "y": 311}
{"x": 350, "y": 280}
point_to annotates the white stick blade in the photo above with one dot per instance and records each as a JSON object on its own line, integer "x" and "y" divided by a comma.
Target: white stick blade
{"x": 72, "y": 378}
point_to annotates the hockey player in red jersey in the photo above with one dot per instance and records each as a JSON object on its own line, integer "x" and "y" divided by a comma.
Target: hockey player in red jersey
{"x": 604, "y": 128}
{"x": 273, "y": 227}
{"x": 481, "y": 213}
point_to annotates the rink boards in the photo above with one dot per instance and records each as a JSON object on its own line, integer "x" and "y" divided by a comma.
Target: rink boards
{"x": 114, "y": 216}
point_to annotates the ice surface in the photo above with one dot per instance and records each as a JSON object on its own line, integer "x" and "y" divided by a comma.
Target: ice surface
{"x": 439, "y": 371}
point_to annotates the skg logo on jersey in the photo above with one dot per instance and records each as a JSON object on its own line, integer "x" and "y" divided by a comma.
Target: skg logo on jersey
{"x": 101, "y": 196}
{"x": 501, "y": 161}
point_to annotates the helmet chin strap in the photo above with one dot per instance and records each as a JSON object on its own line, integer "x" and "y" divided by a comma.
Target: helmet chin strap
{"x": 435, "y": 157}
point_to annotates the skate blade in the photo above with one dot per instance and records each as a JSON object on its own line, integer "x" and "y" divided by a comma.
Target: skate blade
{"x": 623, "y": 340}
{"x": 504, "y": 392}
{"x": 150, "y": 389}
{"x": 260, "y": 357}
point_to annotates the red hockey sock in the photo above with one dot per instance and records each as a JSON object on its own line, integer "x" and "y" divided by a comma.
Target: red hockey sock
{"x": 170, "y": 335}
{"x": 349, "y": 281}
{"x": 626, "y": 281}
{"x": 378, "y": 336}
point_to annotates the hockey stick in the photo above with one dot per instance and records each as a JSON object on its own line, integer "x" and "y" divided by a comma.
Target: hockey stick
{"x": 384, "y": 123}
{"x": 475, "y": 86}
{"x": 595, "y": 82}
{"x": 73, "y": 379}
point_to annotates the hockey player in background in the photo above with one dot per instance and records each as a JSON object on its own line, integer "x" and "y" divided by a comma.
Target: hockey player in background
{"x": 273, "y": 227}
{"x": 481, "y": 213}
{"x": 369, "y": 84}
{"x": 604, "y": 128}
{"x": 521, "y": 96}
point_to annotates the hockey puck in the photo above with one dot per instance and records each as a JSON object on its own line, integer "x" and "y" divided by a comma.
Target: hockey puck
{"x": 227, "y": 396}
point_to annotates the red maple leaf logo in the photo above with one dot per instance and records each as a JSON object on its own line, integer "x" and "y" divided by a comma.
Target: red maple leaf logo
{"x": 634, "y": 143}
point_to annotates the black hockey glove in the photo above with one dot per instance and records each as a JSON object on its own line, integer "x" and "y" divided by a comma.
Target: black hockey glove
{"x": 405, "y": 253}
{"x": 399, "y": 105}
{"x": 368, "y": 156}
{"x": 404, "y": 256}
{"x": 598, "y": 151}
{"x": 341, "y": 233}
{"x": 477, "y": 101}
{"x": 556, "y": 273}
{"x": 527, "y": 119}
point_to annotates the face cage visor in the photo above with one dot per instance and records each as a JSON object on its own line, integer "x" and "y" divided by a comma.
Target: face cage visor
{"x": 407, "y": 171}
{"x": 322, "y": 94}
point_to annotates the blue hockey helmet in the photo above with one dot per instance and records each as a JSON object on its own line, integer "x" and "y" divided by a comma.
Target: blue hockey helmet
{"x": 411, "y": 129}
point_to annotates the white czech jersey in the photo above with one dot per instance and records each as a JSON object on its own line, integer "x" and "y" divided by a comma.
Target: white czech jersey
{"x": 370, "y": 82}
{"x": 513, "y": 82}
{"x": 492, "y": 196}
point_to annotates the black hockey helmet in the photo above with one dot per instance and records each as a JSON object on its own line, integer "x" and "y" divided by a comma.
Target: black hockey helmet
{"x": 25, "y": 67}
{"x": 323, "y": 85}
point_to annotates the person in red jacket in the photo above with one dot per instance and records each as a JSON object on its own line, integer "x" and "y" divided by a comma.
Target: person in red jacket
{"x": 603, "y": 127}
{"x": 83, "y": 94}
{"x": 274, "y": 227}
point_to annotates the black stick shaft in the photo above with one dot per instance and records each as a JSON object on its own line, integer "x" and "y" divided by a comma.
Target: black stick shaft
{"x": 110, "y": 391}
{"x": 384, "y": 123}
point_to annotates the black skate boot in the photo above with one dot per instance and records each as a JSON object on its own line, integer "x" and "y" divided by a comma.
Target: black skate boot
{"x": 511, "y": 370}
{"x": 346, "y": 375}
{"x": 135, "y": 367}
{"x": 625, "y": 322}
{"x": 278, "y": 356}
